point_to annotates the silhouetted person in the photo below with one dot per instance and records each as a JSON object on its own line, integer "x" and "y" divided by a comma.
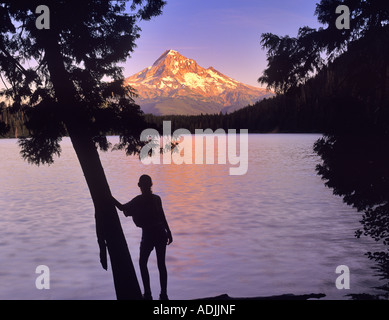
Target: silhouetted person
{"x": 147, "y": 213}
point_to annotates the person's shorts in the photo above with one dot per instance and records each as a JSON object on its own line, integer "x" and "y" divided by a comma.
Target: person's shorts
{"x": 152, "y": 239}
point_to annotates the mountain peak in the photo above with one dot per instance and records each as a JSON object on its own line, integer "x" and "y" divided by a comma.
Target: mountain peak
{"x": 172, "y": 52}
{"x": 175, "y": 84}
{"x": 168, "y": 54}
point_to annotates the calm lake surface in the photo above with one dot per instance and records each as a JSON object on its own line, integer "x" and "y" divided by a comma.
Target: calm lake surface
{"x": 275, "y": 230}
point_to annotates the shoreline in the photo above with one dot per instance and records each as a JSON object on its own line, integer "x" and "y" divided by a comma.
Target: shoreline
{"x": 287, "y": 296}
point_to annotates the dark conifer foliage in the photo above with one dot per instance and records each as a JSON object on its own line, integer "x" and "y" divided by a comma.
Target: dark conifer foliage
{"x": 65, "y": 80}
{"x": 355, "y": 90}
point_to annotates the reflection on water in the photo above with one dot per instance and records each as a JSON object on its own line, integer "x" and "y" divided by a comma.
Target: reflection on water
{"x": 275, "y": 230}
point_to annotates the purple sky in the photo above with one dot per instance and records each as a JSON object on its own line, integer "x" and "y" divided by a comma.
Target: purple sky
{"x": 224, "y": 34}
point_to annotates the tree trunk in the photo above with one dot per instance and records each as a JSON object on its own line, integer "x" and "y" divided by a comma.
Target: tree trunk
{"x": 108, "y": 227}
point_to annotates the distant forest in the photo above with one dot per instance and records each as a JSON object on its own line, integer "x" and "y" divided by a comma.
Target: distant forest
{"x": 15, "y": 123}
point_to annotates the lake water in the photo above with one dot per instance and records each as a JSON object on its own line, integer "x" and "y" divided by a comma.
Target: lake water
{"x": 275, "y": 230}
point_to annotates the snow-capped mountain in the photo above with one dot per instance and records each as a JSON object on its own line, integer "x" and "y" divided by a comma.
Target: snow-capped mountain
{"x": 178, "y": 85}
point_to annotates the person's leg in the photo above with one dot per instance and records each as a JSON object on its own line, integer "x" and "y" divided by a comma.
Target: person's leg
{"x": 161, "y": 255}
{"x": 144, "y": 254}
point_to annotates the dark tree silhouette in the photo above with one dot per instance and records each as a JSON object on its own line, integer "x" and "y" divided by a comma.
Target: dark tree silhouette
{"x": 355, "y": 147}
{"x": 290, "y": 60}
{"x": 61, "y": 91}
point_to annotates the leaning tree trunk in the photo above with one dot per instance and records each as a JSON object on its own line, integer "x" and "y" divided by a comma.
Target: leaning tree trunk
{"x": 109, "y": 230}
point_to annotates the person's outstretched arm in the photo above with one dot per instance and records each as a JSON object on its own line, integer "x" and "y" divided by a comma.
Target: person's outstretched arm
{"x": 126, "y": 208}
{"x": 118, "y": 204}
